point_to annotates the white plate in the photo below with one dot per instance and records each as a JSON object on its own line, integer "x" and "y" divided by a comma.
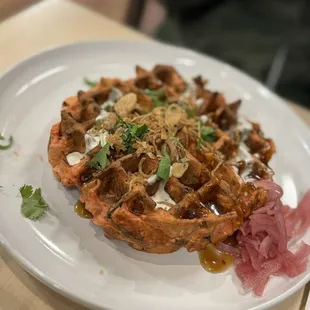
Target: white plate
{"x": 67, "y": 252}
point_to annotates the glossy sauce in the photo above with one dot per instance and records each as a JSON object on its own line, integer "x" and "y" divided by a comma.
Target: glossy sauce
{"x": 213, "y": 260}
{"x": 81, "y": 211}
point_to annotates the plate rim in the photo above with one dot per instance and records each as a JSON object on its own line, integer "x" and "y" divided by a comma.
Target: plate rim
{"x": 56, "y": 285}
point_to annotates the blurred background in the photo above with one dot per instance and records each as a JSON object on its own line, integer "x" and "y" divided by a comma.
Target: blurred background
{"x": 268, "y": 39}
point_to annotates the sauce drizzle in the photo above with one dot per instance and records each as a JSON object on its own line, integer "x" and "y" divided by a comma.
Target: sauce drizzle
{"x": 81, "y": 211}
{"x": 213, "y": 260}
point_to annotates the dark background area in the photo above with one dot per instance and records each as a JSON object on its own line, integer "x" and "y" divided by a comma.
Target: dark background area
{"x": 268, "y": 39}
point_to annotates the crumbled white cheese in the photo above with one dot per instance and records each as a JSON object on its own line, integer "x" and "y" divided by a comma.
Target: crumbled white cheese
{"x": 244, "y": 124}
{"x": 103, "y": 114}
{"x": 204, "y": 118}
{"x": 199, "y": 102}
{"x": 103, "y": 138}
{"x": 243, "y": 154}
{"x": 189, "y": 91}
{"x": 162, "y": 196}
{"x": 151, "y": 180}
{"x": 91, "y": 141}
{"x": 74, "y": 158}
{"x": 115, "y": 94}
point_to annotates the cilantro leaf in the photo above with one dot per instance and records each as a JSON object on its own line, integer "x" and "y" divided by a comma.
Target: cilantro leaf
{"x": 33, "y": 204}
{"x": 164, "y": 167}
{"x": 208, "y": 134}
{"x": 141, "y": 131}
{"x": 100, "y": 160}
{"x": 158, "y": 97}
{"x": 131, "y": 133}
{"x": 5, "y": 147}
{"x": 26, "y": 191}
{"x": 190, "y": 112}
{"x": 89, "y": 82}
{"x": 153, "y": 93}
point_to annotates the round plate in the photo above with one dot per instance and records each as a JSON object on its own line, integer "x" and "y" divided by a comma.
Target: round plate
{"x": 69, "y": 253}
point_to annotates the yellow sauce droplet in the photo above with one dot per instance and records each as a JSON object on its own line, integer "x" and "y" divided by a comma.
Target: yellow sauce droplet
{"x": 213, "y": 260}
{"x": 81, "y": 211}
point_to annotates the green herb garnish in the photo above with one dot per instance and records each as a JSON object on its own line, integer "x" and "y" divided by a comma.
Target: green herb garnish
{"x": 5, "y": 147}
{"x": 157, "y": 103}
{"x": 158, "y": 97}
{"x": 190, "y": 112}
{"x": 108, "y": 108}
{"x": 153, "y": 93}
{"x": 208, "y": 134}
{"x": 164, "y": 167}
{"x": 89, "y": 82}
{"x": 33, "y": 204}
{"x": 100, "y": 160}
{"x": 131, "y": 133}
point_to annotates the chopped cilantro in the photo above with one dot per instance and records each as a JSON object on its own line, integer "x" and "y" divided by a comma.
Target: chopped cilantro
{"x": 100, "y": 160}
{"x": 153, "y": 93}
{"x": 6, "y": 146}
{"x": 131, "y": 133}
{"x": 108, "y": 108}
{"x": 190, "y": 112}
{"x": 33, "y": 204}
{"x": 158, "y": 97}
{"x": 141, "y": 131}
{"x": 164, "y": 167}
{"x": 208, "y": 134}
{"x": 157, "y": 103}
{"x": 89, "y": 82}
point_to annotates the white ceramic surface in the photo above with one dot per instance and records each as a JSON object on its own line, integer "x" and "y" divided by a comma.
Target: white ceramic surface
{"x": 67, "y": 252}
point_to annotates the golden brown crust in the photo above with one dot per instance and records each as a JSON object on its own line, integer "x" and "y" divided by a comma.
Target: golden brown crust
{"x": 119, "y": 196}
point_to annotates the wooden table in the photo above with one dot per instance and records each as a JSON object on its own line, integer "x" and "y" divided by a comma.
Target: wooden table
{"x": 51, "y": 23}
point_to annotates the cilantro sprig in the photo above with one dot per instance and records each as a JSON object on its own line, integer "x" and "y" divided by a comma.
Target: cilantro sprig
{"x": 131, "y": 133}
{"x": 100, "y": 160}
{"x": 6, "y": 146}
{"x": 89, "y": 82}
{"x": 208, "y": 134}
{"x": 158, "y": 97}
{"x": 164, "y": 167}
{"x": 33, "y": 204}
{"x": 205, "y": 133}
{"x": 190, "y": 112}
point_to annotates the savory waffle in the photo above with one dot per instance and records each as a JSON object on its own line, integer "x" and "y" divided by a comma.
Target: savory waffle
{"x": 161, "y": 163}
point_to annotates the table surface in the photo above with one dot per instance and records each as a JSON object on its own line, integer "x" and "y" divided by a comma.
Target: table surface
{"x": 51, "y": 23}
